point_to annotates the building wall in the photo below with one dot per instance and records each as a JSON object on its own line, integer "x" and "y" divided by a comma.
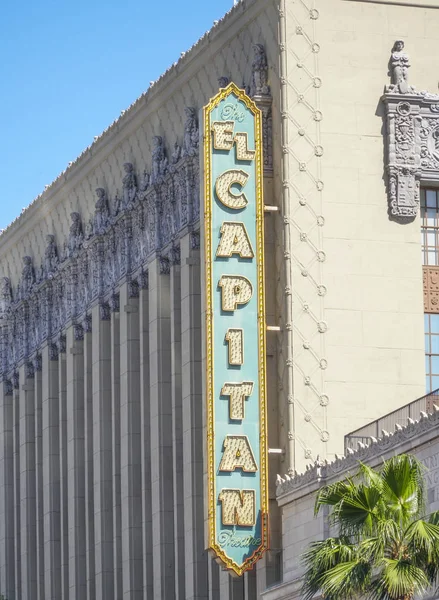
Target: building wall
{"x": 368, "y": 359}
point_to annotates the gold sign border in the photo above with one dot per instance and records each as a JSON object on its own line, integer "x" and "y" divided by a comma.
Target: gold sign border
{"x": 228, "y": 562}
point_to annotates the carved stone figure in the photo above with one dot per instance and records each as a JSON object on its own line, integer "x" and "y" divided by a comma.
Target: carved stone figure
{"x": 89, "y": 229}
{"x": 144, "y": 182}
{"x": 223, "y": 81}
{"x": 129, "y": 183}
{"x": 27, "y": 277}
{"x": 117, "y": 204}
{"x": 75, "y": 234}
{"x": 399, "y": 66}
{"x": 101, "y": 212}
{"x": 176, "y": 154}
{"x": 159, "y": 160}
{"x": 50, "y": 256}
{"x": 190, "y": 141}
{"x": 6, "y": 297}
{"x": 260, "y": 71}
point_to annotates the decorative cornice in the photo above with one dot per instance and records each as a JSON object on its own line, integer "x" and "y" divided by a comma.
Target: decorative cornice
{"x": 322, "y": 470}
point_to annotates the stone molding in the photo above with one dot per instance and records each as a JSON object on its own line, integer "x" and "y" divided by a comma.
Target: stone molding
{"x": 321, "y": 471}
{"x": 412, "y": 138}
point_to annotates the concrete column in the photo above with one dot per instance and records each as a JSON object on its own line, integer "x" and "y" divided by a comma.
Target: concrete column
{"x": 76, "y": 462}
{"x": 130, "y": 451}
{"x": 250, "y": 591}
{"x": 161, "y": 431}
{"x": 89, "y": 479}
{"x": 193, "y": 435}
{"x": 39, "y": 477}
{"x": 27, "y": 483}
{"x": 102, "y": 438}
{"x": 17, "y": 496}
{"x": 51, "y": 474}
{"x": 145, "y": 441}
{"x": 214, "y": 579}
{"x": 232, "y": 588}
{"x": 237, "y": 589}
{"x": 7, "y": 562}
{"x": 64, "y": 519}
{"x": 115, "y": 397}
{"x": 177, "y": 431}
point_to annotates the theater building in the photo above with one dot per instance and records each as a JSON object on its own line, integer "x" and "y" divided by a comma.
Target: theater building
{"x": 236, "y": 273}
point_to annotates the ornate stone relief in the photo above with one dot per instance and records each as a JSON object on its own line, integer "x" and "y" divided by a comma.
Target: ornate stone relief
{"x": 412, "y": 149}
{"x": 431, "y": 289}
{"x": 321, "y": 471}
{"x": 127, "y": 231}
{"x": 261, "y": 93}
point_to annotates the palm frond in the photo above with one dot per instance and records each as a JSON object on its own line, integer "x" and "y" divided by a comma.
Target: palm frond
{"x": 371, "y": 476}
{"x": 403, "y": 487}
{"x": 422, "y": 536}
{"x": 401, "y": 579}
{"x": 346, "y": 580}
{"x": 336, "y": 567}
{"x": 356, "y": 513}
{"x": 332, "y": 494}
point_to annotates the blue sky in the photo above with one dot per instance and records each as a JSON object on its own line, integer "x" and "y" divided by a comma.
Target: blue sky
{"x": 67, "y": 71}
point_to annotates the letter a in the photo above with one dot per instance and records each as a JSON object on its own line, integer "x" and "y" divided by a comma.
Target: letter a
{"x": 238, "y": 455}
{"x": 234, "y": 240}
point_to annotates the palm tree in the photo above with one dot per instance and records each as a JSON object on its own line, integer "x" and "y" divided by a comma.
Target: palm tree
{"x": 386, "y": 548}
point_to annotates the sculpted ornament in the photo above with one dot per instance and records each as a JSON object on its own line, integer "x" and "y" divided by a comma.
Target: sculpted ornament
{"x": 50, "y": 256}
{"x": 176, "y": 154}
{"x": 223, "y": 81}
{"x": 399, "y": 66}
{"x": 412, "y": 136}
{"x": 27, "y": 277}
{"x": 117, "y": 204}
{"x": 260, "y": 71}
{"x": 6, "y": 297}
{"x": 190, "y": 143}
{"x": 75, "y": 235}
{"x": 89, "y": 229}
{"x": 129, "y": 183}
{"x": 144, "y": 182}
{"x": 159, "y": 160}
{"x": 101, "y": 219}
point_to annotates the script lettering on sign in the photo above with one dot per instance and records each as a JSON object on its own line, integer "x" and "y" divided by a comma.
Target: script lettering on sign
{"x": 235, "y": 330}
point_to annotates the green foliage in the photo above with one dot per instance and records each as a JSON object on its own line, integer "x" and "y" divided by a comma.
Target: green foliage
{"x": 386, "y": 549}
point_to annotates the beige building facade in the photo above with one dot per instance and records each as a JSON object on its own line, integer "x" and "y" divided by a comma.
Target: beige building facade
{"x": 102, "y": 423}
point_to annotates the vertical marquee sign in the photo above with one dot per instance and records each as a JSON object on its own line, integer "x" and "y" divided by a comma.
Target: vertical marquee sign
{"x": 235, "y": 327}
